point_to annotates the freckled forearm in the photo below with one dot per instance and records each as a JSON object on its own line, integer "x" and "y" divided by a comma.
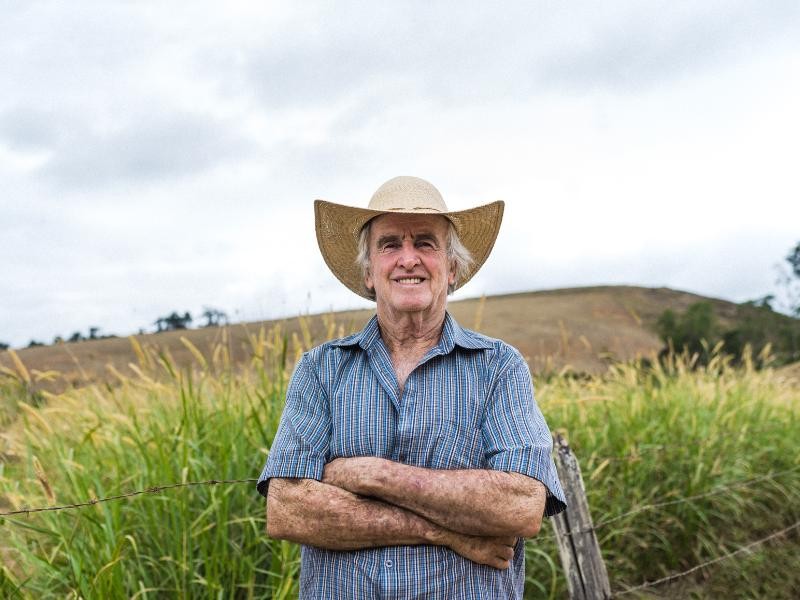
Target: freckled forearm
{"x": 314, "y": 513}
{"x": 472, "y": 501}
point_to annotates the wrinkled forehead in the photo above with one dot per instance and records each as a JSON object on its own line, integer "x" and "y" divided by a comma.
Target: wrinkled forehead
{"x": 408, "y": 224}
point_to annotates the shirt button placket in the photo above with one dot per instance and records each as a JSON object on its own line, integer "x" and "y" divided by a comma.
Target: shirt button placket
{"x": 406, "y": 407}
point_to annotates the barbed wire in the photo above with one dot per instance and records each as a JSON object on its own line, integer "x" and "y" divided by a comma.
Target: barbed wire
{"x": 727, "y": 555}
{"x": 657, "y": 505}
{"x": 712, "y": 492}
{"x": 150, "y": 490}
{"x": 159, "y": 488}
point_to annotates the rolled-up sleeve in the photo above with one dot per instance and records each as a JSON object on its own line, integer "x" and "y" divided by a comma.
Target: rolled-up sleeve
{"x": 515, "y": 434}
{"x": 300, "y": 447}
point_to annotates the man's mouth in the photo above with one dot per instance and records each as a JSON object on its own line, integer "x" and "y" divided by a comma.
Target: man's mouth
{"x": 409, "y": 280}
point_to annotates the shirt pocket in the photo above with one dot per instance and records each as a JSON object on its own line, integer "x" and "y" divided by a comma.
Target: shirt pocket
{"x": 458, "y": 446}
{"x": 361, "y": 424}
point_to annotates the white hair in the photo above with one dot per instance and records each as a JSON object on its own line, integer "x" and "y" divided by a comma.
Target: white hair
{"x": 457, "y": 254}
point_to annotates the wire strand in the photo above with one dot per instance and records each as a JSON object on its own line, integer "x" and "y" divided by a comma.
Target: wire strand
{"x": 657, "y": 505}
{"x": 150, "y": 490}
{"x": 712, "y": 492}
{"x": 727, "y": 555}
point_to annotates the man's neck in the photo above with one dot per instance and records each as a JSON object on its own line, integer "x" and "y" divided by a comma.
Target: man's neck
{"x": 410, "y": 333}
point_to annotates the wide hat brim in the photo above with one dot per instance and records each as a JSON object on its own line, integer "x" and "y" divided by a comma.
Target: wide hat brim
{"x": 338, "y": 227}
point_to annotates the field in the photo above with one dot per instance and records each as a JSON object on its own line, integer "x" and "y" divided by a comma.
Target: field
{"x": 716, "y": 448}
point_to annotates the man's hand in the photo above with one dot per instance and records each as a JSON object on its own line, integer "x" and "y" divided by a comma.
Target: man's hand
{"x": 496, "y": 552}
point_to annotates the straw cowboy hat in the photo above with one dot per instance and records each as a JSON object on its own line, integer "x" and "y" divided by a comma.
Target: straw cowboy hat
{"x": 339, "y": 226}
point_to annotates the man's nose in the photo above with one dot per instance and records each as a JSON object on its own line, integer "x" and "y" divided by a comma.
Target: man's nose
{"x": 409, "y": 257}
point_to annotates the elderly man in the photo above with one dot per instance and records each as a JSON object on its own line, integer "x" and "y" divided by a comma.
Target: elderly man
{"x": 411, "y": 460}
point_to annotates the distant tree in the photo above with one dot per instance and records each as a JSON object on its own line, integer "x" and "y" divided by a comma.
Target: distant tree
{"x": 75, "y": 337}
{"x": 788, "y": 283}
{"x": 792, "y": 282}
{"x": 93, "y": 332}
{"x": 173, "y": 321}
{"x": 34, "y": 343}
{"x": 176, "y": 321}
{"x": 763, "y": 302}
{"x": 695, "y": 330}
{"x": 755, "y": 325}
{"x": 793, "y": 258}
{"x": 752, "y": 329}
{"x": 214, "y": 317}
{"x": 4, "y": 346}
{"x": 58, "y": 340}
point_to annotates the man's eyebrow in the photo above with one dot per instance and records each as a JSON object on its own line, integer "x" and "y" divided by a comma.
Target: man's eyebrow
{"x": 424, "y": 236}
{"x": 384, "y": 239}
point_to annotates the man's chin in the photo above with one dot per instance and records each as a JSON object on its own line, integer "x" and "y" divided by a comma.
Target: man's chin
{"x": 410, "y": 303}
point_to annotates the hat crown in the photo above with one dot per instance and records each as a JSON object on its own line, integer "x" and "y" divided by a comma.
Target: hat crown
{"x": 408, "y": 194}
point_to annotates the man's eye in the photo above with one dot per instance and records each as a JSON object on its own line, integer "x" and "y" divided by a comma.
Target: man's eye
{"x": 425, "y": 244}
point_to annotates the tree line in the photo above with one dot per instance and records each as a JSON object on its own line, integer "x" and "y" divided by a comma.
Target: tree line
{"x": 172, "y": 322}
{"x": 698, "y": 330}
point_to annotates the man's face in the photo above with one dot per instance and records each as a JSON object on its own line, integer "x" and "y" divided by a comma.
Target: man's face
{"x": 409, "y": 270}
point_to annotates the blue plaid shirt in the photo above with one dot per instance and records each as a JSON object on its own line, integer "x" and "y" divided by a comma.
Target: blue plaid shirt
{"x": 468, "y": 405}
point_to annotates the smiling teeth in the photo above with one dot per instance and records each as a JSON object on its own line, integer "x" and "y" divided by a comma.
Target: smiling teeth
{"x": 410, "y": 280}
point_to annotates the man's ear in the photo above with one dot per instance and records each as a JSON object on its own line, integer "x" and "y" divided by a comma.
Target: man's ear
{"x": 368, "y": 283}
{"x": 451, "y": 275}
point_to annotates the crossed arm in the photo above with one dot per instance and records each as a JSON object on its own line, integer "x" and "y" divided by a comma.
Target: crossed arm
{"x": 366, "y": 502}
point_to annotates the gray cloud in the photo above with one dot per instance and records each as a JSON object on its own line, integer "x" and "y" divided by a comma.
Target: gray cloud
{"x": 459, "y": 56}
{"x": 136, "y": 149}
{"x": 657, "y": 41}
{"x": 409, "y": 51}
{"x": 23, "y": 128}
{"x": 372, "y": 58}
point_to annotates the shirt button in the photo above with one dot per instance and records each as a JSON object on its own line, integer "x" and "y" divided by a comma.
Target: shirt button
{"x": 388, "y": 563}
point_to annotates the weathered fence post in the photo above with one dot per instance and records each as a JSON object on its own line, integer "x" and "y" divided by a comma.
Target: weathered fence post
{"x": 587, "y": 578}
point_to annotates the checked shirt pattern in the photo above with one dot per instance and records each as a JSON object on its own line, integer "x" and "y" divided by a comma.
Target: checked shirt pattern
{"x": 469, "y": 404}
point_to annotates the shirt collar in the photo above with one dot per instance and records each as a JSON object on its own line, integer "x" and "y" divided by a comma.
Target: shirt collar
{"x": 452, "y": 335}
{"x": 364, "y": 338}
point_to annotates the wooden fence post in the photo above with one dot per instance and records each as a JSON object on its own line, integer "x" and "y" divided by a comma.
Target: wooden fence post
{"x": 587, "y": 578}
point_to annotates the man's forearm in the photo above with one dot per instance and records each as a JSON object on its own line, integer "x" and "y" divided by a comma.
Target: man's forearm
{"x": 316, "y": 514}
{"x": 472, "y": 501}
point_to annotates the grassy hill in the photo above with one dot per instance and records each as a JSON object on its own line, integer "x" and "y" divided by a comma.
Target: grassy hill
{"x": 581, "y": 328}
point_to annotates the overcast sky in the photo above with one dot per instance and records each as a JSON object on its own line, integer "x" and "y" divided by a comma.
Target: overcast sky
{"x": 165, "y": 156}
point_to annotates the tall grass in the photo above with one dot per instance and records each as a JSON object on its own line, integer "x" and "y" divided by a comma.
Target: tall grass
{"x": 643, "y": 435}
{"x": 163, "y": 426}
{"x": 648, "y": 435}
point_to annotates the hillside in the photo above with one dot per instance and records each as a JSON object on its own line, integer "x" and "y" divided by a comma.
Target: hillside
{"x": 582, "y": 328}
